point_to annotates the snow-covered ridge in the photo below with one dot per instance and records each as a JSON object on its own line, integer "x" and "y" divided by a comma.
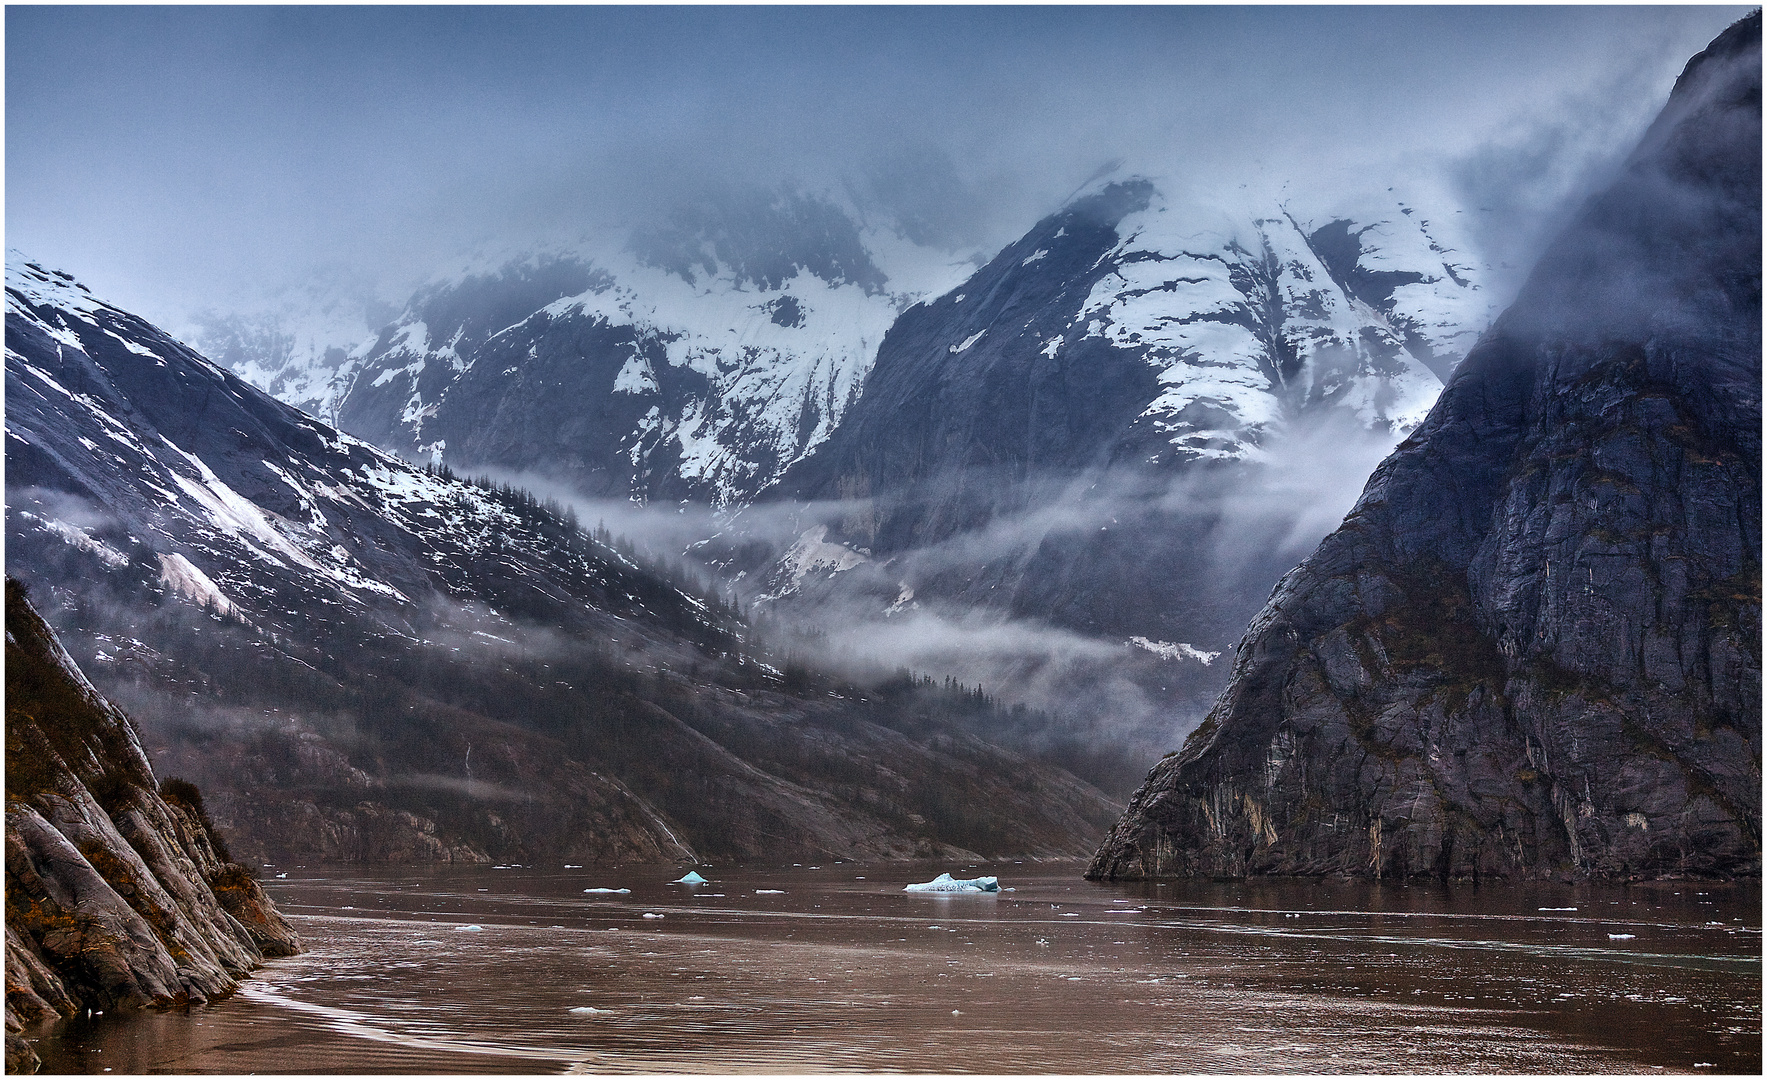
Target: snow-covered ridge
{"x": 733, "y": 372}
{"x": 1252, "y": 313}
{"x": 251, "y": 501}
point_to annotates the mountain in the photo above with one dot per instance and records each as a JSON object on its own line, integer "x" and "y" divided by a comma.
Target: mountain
{"x": 698, "y": 360}
{"x": 1533, "y": 648}
{"x": 1119, "y": 426}
{"x": 359, "y": 658}
{"x": 119, "y": 892}
{"x": 885, "y": 434}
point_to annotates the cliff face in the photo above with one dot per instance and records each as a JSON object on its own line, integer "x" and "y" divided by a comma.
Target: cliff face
{"x": 117, "y": 895}
{"x": 1533, "y": 648}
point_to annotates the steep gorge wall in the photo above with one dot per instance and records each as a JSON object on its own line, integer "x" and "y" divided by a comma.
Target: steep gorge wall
{"x": 1533, "y": 648}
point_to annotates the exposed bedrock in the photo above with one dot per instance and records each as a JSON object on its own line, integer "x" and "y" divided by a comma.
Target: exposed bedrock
{"x": 118, "y": 893}
{"x": 1533, "y": 648}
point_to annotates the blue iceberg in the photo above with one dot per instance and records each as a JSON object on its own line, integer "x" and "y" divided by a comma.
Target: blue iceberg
{"x": 945, "y": 883}
{"x": 689, "y": 878}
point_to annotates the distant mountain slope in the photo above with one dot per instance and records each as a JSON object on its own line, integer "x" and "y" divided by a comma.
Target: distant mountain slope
{"x": 118, "y": 891}
{"x": 1131, "y": 327}
{"x": 1533, "y": 649}
{"x": 698, "y": 361}
{"x": 1128, "y": 425}
{"x": 362, "y": 659}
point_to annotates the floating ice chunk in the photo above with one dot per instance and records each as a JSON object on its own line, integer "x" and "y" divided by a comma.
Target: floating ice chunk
{"x": 945, "y": 883}
{"x": 1621, "y": 937}
{"x": 652, "y": 915}
{"x": 613, "y": 892}
{"x": 473, "y": 927}
{"x": 589, "y": 1010}
{"x": 769, "y": 892}
{"x": 572, "y": 866}
{"x": 689, "y": 878}
{"x": 1070, "y": 914}
{"x": 1558, "y": 909}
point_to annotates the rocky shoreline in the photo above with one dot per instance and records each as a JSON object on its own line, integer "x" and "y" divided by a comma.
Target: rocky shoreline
{"x": 119, "y": 893}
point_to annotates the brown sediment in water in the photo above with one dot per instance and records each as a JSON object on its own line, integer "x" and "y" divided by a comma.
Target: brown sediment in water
{"x": 843, "y": 971}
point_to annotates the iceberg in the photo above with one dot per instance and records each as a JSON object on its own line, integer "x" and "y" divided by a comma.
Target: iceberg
{"x": 945, "y": 883}
{"x": 611, "y": 892}
{"x": 689, "y": 878}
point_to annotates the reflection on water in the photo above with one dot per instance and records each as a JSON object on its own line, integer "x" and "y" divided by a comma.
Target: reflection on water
{"x": 834, "y": 968}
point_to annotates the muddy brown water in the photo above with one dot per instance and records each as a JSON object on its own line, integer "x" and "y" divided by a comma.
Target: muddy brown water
{"x": 834, "y": 968}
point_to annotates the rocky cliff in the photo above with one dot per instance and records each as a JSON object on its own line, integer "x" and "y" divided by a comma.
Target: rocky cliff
{"x": 1533, "y": 648}
{"x": 118, "y": 892}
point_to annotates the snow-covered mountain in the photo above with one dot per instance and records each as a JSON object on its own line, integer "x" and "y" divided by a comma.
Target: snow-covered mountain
{"x": 1133, "y": 325}
{"x": 359, "y": 658}
{"x": 698, "y": 360}
{"x": 1134, "y": 358}
{"x": 1126, "y": 425}
{"x": 298, "y": 344}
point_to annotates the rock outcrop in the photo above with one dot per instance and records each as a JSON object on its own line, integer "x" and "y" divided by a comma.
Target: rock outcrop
{"x": 118, "y": 892}
{"x": 1533, "y": 648}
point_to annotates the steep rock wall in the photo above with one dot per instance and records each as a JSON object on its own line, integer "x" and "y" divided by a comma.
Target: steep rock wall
{"x": 1534, "y": 646}
{"x": 117, "y": 896}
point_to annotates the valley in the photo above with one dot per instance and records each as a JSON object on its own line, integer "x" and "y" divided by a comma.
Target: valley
{"x": 1319, "y": 576}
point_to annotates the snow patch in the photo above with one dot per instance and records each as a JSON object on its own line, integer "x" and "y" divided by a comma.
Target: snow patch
{"x": 968, "y": 341}
{"x": 182, "y": 576}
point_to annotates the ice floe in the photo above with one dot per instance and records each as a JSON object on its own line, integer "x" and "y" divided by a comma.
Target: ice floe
{"x": 689, "y": 878}
{"x": 945, "y": 883}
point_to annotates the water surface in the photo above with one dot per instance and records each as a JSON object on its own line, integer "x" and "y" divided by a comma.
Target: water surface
{"x": 832, "y": 968}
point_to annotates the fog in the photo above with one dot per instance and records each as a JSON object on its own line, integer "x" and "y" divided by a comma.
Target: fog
{"x": 178, "y": 159}
{"x": 928, "y": 608}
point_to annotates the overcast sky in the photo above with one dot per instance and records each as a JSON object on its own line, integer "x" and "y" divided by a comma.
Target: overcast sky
{"x": 177, "y": 158}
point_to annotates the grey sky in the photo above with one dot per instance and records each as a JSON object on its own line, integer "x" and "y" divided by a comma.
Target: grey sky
{"x": 176, "y": 158}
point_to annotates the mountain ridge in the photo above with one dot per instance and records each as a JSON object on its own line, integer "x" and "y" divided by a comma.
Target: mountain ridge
{"x": 359, "y": 658}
